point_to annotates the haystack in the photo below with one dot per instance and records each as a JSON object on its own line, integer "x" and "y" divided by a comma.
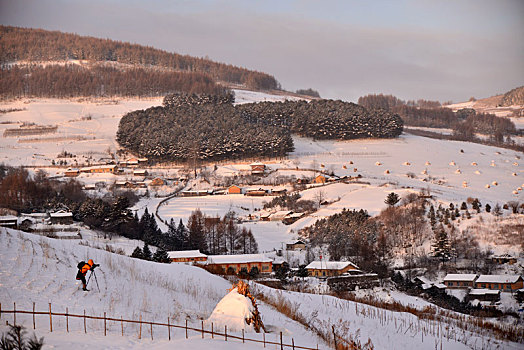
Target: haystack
{"x": 237, "y": 310}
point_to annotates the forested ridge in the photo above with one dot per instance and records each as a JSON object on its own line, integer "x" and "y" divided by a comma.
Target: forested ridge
{"x": 208, "y": 127}
{"x": 36, "y": 45}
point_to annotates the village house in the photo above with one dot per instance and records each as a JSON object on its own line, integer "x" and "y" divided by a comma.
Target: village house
{"x": 70, "y": 172}
{"x": 235, "y": 263}
{"x": 89, "y": 187}
{"x": 9, "y": 221}
{"x": 234, "y": 190}
{"x": 505, "y": 283}
{"x": 279, "y": 191}
{"x": 329, "y": 268}
{"x": 187, "y": 256}
{"x": 483, "y": 295}
{"x": 291, "y": 218}
{"x": 133, "y": 162}
{"x": 196, "y": 193}
{"x": 297, "y": 246}
{"x": 257, "y": 168}
{"x": 503, "y": 259}
{"x": 140, "y": 172}
{"x": 460, "y": 280}
{"x": 113, "y": 169}
{"x": 320, "y": 179}
{"x": 256, "y": 192}
{"x": 279, "y": 215}
{"x": 61, "y": 217}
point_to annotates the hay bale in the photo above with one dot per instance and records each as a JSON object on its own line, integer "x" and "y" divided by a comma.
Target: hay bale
{"x": 516, "y": 164}
{"x": 378, "y": 163}
{"x": 487, "y": 186}
{"x": 406, "y": 163}
{"x": 514, "y": 174}
{"x": 477, "y": 172}
{"x": 452, "y": 163}
{"x": 350, "y": 162}
{"x": 428, "y": 163}
{"x": 474, "y": 163}
{"x": 458, "y": 171}
{"x": 424, "y": 172}
{"x": 386, "y": 172}
{"x": 344, "y": 167}
{"x": 495, "y": 183}
{"x": 515, "y": 192}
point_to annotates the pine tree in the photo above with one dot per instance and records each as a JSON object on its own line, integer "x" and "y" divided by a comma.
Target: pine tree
{"x": 137, "y": 253}
{"x": 197, "y": 239}
{"x": 161, "y": 256}
{"x": 442, "y": 247}
{"x": 182, "y": 236}
{"x": 392, "y": 199}
{"x": 488, "y": 208}
{"x": 463, "y": 206}
{"x": 146, "y": 252}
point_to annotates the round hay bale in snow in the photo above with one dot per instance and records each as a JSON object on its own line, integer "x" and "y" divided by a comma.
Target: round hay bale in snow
{"x": 495, "y": 183}
{"x": 474, "y": 163}
{"x": 424, "y": 172}
{"x": 355, "y": 170}
{"x": 344, "y": 167}
{"x": 378, "y": 163}
{"x": 350, "y": 162}
{"x": 515, "y": 192}
{"x": 452, "y": 163}
{"x": 487, "y": 186}
{"x": 406, "y": 163}
{"x": 519, "y": 189}
{"x": 477, "y": 172}
{"x": 237, "y": 310}
{"x": 386, "y": 172}
{"x": 516, "y": 164}
{"x": 514, "y": 174}
{"x": 458, "y": 171}
{"x": 322, "y": 166}
{"x": 428, "y": 163}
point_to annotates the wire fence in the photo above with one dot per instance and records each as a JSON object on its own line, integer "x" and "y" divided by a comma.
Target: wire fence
{"x": 142, "y": 324}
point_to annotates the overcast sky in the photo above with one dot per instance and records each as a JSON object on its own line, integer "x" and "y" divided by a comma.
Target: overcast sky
{"x": 445, "y": 50}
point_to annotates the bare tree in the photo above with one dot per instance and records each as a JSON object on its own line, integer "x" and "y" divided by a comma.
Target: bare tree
{"x": 320, "y": 197}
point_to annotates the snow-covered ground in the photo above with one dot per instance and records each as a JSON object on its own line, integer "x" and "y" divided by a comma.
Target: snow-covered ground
{"x": 42, "y": 270}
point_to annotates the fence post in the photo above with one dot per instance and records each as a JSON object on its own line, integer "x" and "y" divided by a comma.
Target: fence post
{"x": 0, "y": 310}
{"x": 212, "y": 335}
{"x": 293, "y": 343}
{"x": 67, "y": 320}
{"x": 85, "y": 328}
{"x": 202, "y": 328}
{"x": 105, "y": 333}
{"x": 34, "y": 322}
{"x": 264, "y": 337}
{"x": 50, "y": 319}
{"x": 168, "y": 329}
{"x": 243, "y": 335}
{"x": 186, "y": 328}
{"x": 281, "y": 344}
{"x": 151, "y": 324}
{"x": 140, "y": 328}
{"x": 334, "y": 335}
{"x": 225, "y": 332}
{"x": 14, "y": 313}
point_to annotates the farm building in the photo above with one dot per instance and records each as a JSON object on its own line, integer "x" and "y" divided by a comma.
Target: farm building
{"x": 503, "y": 259}
{"x": 100, "y": 169}
{"x": 133, "y": 162}
{"x": 257, "y": 168}
{"x": 505, "y": 283}
{"x": 256, "y": 192}
{"x": 320, "y": 179}
{"x": 195, "y": 193}
{"x": 278, "y": 191}
{"x": 234, "y": 190}
{"x": 460, "y": 280}
{"x": 140, "y": 172}
{"x": 329, "y": 268}
{"x": 298, "y": 245}
{"x": 483, "y": 295}
{"x": 72, "y": 172}
{"x": 10, "y": 221}
{"x": 291, "y": 218}
{"x": 186, "y": 256}
{"x": 235, "y": 263}
{"x": 61, "y": 217}
{"x": 279, "y": 215}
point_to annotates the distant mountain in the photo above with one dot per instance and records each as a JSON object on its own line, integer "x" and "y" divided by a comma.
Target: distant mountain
{"x": 28, "y": 48}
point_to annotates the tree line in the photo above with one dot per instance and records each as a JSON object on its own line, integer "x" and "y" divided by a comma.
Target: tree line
{"x": 464, "y": 123}
{"x": 71, "y": 80}
{"x": 36, "y": 45}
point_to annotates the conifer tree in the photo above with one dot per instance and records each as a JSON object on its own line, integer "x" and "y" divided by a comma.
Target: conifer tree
{"x": 392, "y": 199}
{"x": 146, "y": 252}
{"x": 137, "y": 253}
{"x": 442, "y": 247}
{"x": 161, "y": 256}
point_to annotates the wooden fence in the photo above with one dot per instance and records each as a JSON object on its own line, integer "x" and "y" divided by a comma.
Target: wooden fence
{"x": 212, "y": 332}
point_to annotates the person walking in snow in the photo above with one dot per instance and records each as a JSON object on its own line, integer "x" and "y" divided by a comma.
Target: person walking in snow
{"x": 83, "y": 267}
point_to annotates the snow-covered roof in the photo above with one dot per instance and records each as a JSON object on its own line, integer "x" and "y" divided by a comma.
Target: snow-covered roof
{"x": 61, "y": 214}
{"x": 256, "y": 163}
{"x": 178, "y": 254}
{"x": 498, "y": 278}
{"x": 8, "y": 218}
{"x": 237, "y": 259}
{"x": 454, "y": 277}
{"x": 281, "y": 214}
{"x": 483, "y": 291}
{"x": 295, "y": 215}
{"x": 330, "y": 265}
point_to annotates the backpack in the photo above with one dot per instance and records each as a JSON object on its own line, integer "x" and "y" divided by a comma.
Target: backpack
{"x": 81, "y": 264}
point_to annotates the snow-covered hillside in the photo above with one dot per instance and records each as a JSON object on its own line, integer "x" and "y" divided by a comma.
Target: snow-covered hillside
{"x": 42, "y": 270}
